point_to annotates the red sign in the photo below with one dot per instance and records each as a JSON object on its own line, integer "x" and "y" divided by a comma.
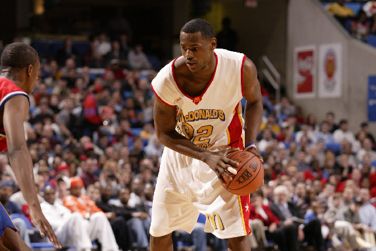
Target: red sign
{"x": 305, "y": 64}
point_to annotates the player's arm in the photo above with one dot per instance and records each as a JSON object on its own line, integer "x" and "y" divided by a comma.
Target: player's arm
{"x": 165, "y": 123}
{"x": 254, "y": 106}
{"x": 16, "y": 112}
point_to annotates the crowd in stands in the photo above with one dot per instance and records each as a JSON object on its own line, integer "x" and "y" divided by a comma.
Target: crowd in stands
{"x": 357, "y": 17}
{"x": 96, "y": 156}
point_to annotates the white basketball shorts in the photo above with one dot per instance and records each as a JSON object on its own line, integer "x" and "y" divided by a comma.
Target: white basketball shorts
{"x": 186, "y": 187}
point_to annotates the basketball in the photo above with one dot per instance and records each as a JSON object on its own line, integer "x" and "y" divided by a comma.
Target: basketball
{"x": 250, "y": 176}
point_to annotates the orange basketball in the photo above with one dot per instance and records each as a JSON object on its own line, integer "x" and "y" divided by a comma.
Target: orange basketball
{"x": 250, "y": 176}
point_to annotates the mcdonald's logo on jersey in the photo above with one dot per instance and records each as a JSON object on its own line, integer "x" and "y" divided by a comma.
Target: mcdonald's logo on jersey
{"x": 205, "y": 114}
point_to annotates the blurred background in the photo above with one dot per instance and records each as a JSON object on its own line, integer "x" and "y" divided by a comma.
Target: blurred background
{"x": 91, "y": 133}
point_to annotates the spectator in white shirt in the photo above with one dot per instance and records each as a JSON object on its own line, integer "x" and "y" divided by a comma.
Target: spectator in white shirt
{"x": 267, "y": 141}
{"x": 367, "y": 212}
{"x": 70, "y": 228}
{"x": 137, "y": 194}
{"x": 343, "y": 134}
{"x": 137, "y": 59}
{"x": 366, "y": 149}
{"x": 306, "y": 131}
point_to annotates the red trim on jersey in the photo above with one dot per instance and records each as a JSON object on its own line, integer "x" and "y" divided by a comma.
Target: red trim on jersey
{"x": 198, "y": 98}
{"x": 242, "y": 74}
{"x": 235, "y": 130}
{"x": 156, "y": 94}
{"x": 3, "y": 143}
{"x": 246, "y": 204}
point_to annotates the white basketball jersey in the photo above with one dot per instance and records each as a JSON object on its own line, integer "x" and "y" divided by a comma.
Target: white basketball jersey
{"x": 214, "y": 118}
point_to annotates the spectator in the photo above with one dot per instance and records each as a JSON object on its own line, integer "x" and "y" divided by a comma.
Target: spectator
{"x": 98, "y": 223}
{"x": 124, "y": 46}
{"x": 290, "y": 214}
{"x": 71, "y": 228}
{"x": 91, "y": 118}
{"x": 69, "y": 72}
{"x": 285, "y": 109}
{"x": 272, "y": 124}
{"x": 330, "y": 118}
{"x": 360, "y": 27}
{"x": 101, "y": 47}
{"x": 313, "y": 230}
{"x": 89, "y": 169}
{"x": 137, "y": 194}
{"x": 284, "y": 235}
{"x": 339, "y": 10}
{"x": 67, "y": 51}
{"x": 137, "y": 59}
{"x": 370, "y": 8}
{"x": 117, "y": 54}
{"x": 367, "y": 212}
{"x": 118, "y": 217}
{"x": 366, "y": 149}
{"x": 285, "y": 212}
{"x": 267, "y": 143}
{"x": 324, "y": 133}
{"x": 227, "y": 38}
{"x": 364, "y": 128}
{"x": 342, "y": 222}
{"x": 129, "y": 224}
{"x": 139, "y": 221}
{"x": 154, "y": 148}
{"x": 344, "y": 134}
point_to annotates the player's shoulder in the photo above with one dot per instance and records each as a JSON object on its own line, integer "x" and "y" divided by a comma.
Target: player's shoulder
{"x": 9, "y": 87}
{"x": 9, "y": 90}
{"x": 229, "y": 55}
{"x": 164, "y": 75}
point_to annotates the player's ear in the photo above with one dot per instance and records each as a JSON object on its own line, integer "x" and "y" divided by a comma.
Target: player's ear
{"x": 29, "y": 70}
{"x": 213, "y": 43}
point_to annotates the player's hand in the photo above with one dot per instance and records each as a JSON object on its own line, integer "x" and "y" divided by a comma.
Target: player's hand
{"x": 224, "y": 167}
{"x": 44, "y": 227}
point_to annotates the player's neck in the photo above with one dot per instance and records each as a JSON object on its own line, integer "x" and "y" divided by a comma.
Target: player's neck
{"x": 212, "y": 65}
{"x": 208, "y": 71}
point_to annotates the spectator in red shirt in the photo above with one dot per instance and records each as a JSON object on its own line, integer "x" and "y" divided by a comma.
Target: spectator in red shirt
{"x": 283, "y": 234}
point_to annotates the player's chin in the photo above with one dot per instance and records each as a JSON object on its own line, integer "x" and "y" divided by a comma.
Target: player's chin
{"x": 193, "y": 67}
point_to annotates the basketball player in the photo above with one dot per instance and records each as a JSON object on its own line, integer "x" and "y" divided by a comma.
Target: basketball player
{"x": 19, "y": 74}
{"x": 197, "y": 116}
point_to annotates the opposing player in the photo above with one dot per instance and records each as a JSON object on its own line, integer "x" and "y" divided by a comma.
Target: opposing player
{"x": 197, "y": 116}
{"x": 19, "y": 75}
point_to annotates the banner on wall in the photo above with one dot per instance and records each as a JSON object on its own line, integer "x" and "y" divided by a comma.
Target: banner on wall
{"x": 371, "y": 102}
{"x": 330, "y": 71}
{"x": 304, "y": 72}
{"x": 250, "y": 3}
